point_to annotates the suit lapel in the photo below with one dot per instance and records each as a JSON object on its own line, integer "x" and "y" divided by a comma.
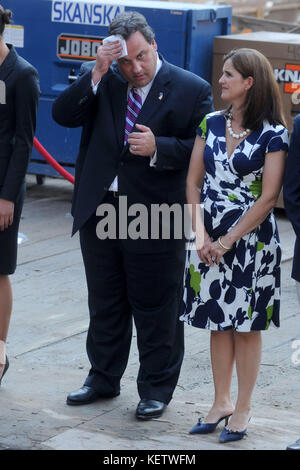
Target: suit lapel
{"x": 156, "y": 96}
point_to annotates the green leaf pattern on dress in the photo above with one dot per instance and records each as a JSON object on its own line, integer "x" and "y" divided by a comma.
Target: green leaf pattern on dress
{"x": 195, "y": 280}
{"x": 259, "y": 246}
{"x": 203, "y": 127}
{"x": 256, "y": 188}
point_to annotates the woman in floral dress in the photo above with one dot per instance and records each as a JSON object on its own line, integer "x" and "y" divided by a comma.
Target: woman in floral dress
{"x": 232, "y": 278}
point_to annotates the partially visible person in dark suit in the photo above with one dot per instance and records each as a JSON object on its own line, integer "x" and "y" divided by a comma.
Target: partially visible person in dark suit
{"x": 291, "y": 194}
{"x": 139, "y": 116}
{"x": 19, "y": 95}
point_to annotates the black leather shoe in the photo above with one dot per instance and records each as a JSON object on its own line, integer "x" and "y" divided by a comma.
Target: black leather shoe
{"x": 148, "y": 409}
{"x": 85, "y": 395}
{"x": 294, "y": 446}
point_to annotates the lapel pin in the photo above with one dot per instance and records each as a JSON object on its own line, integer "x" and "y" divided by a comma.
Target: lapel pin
{"x": 160, "y": 96}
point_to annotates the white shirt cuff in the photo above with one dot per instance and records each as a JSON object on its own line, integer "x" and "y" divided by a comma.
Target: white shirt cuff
{"x": 95, "y": 86}
{"x": 153, "y": 160}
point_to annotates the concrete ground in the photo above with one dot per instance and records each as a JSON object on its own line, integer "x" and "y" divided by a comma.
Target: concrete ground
{"x": 46, "y": 347}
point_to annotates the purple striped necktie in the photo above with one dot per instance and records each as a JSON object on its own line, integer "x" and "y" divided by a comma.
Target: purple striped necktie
{"x": 134, "y": 105}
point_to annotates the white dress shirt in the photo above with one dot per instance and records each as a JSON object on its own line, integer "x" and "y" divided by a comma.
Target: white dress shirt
{"x": 143, "y": 92}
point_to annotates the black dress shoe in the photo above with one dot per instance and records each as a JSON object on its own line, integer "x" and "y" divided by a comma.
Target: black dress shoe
{"x": 294, "y": 446}
{"x": 148, "y": 409}
{"x": 85, "y": 395}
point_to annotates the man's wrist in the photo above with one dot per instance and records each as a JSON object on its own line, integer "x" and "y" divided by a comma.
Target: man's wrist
{"x": 96, "y": 76}
{"x": 153, "y": 159}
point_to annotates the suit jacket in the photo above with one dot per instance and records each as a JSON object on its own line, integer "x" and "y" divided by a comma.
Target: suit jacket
{"x": 174, "y": 107}
{"x": 291, "y": 192}
{"x": 18, "y": 110}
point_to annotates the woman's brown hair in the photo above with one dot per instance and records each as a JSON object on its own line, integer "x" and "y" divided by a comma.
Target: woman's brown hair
{"x": 263, "y": 101}
{"x": 5, "y": 17}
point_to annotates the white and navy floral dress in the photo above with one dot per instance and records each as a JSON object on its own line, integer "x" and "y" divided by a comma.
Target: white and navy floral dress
{"x": 243, "y": 291}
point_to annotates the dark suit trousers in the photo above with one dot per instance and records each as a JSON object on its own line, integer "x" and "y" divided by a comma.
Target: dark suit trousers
{"x": 146, "y": 287}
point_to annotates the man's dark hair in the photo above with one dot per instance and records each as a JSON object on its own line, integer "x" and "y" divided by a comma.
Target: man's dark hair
{"x": 130, "y": 22}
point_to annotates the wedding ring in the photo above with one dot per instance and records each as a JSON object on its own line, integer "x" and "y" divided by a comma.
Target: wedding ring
{"x": 134, "y": 147}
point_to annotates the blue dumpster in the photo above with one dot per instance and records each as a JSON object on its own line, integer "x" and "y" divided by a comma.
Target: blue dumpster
{"x": 56, "y": 36}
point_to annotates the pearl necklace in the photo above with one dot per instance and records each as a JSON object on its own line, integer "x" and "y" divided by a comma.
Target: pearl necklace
{"x": 233, "y": 134}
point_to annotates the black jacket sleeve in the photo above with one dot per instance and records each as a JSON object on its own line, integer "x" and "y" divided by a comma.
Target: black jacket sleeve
{"x": 174, "y": 153}
{"x": 26, "y": 105}
{"x": 73, "y": 106}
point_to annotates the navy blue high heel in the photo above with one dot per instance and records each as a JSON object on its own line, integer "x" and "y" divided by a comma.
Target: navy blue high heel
{"x": 5, "y": 368}
{"x": 207, "y": 428}
{"x": 229, "y": 436}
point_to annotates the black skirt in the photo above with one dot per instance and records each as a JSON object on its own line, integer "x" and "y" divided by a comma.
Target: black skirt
{"x": 9, "y": 239}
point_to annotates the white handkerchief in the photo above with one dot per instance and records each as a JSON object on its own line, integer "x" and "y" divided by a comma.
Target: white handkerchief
{"x": 117, "y": 37}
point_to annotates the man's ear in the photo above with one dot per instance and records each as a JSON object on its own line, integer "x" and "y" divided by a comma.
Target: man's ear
{"x": 154, "y": 45}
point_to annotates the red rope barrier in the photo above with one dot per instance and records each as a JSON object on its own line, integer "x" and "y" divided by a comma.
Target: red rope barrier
{"x": 52, "y": 161}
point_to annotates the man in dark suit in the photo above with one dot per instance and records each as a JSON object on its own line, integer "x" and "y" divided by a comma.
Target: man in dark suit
{"x": 135, "y": 148}
{"x": 291, "y": 194}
